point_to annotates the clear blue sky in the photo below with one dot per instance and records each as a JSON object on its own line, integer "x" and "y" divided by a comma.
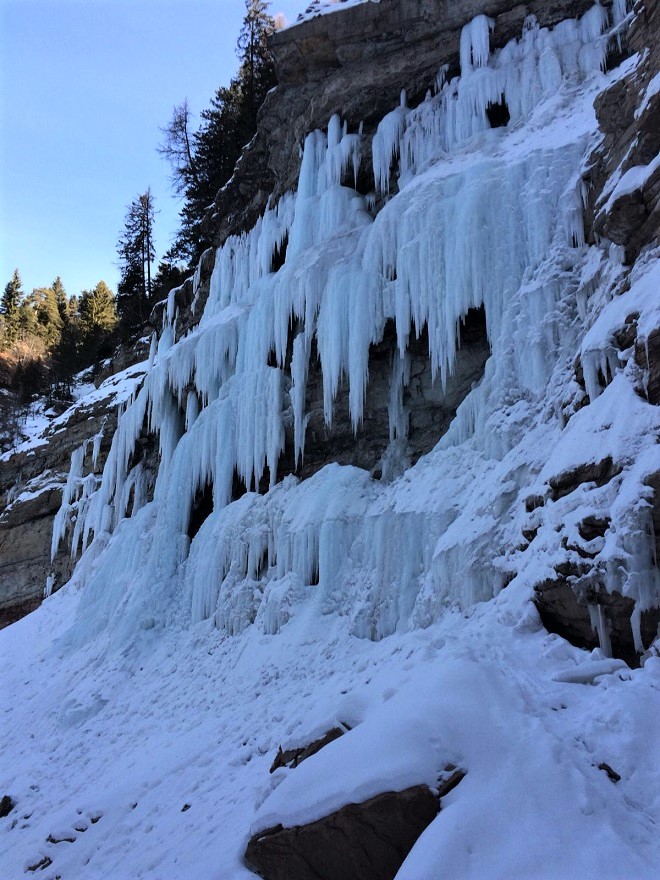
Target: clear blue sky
{"x": 85, "y": 85}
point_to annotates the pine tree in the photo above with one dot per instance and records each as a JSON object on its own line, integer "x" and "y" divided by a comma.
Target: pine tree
{"x": 177, "y": 148}
{"x": 136, "y": 256}
{"x": 67, "y": 358}
{"x": 257, "y": 73}
{"x": 10, "y": 309}
{"x": 73, "y": 309}
{"x": 28, "y": 325}
{"x": 168, "y": 276}
{"x": 98, "y": 312}
{"x": 96, "y": 323}
{"x": 61, "y": 299}
{"x": 43, "y": 302}
{"x": 217, "y": 148}
{"x": 203, "y": 162}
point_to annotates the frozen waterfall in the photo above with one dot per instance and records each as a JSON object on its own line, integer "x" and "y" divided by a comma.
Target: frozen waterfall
{"x": 476, "y": 216}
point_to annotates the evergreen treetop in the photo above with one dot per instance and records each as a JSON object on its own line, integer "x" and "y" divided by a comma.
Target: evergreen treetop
{"x": 97, "y": 309}
{"x": 203, "y": 161}
{"x": 43, "y": 303}
{"x": 61, "y": 298}
{"x": 136, "y": 256}
{"x": 9, "y": 307}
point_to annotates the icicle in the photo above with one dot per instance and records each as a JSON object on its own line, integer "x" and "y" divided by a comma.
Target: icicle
{"x": 153, "y": 348}
{"x": 299, "y": 365}
{"x": 386, "y": 145}
{"x": 171, "y": 305}
{"x": 96, "y": 447}
{"x": 197, "y": 277}
{"x": 71, "y": 490}
{"x": 192, "y": 409}
{"x": 475, "y": 43}
{"x": 619, "y": 11}
{"x": 594, "y": 49}
{"x": 600, "y": 625}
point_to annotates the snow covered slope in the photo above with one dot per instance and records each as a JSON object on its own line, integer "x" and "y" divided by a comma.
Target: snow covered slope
{"x": 201, "y": 630}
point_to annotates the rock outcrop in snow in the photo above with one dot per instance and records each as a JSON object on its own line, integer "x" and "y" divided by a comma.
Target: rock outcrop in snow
{"x": 359, "y": 841}
{"x": 625, "y": 196}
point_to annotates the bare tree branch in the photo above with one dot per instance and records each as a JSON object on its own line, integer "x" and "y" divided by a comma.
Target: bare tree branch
{"x": 177, "y": 148}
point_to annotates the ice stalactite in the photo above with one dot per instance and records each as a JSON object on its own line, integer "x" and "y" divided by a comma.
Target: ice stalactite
{"x": 386, "y": 145}
{"x": 475, "y": 43}
{"x": 70, "y": 498}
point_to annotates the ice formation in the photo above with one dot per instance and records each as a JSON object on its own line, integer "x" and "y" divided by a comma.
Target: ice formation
{"x": 481, "y": 218}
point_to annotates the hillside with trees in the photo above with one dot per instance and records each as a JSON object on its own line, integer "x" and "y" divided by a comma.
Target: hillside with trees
{"x": 46, "y": 338}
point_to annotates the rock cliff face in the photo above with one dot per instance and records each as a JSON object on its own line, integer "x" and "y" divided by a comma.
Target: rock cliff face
{"x": 623, "y": 207}
{"x": 356, "y": 64}
{"x": 625, "y": 172}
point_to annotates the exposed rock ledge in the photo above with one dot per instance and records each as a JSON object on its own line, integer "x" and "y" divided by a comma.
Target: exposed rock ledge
{"x": 625, "y": 175}
{"x": 384, "y": 47}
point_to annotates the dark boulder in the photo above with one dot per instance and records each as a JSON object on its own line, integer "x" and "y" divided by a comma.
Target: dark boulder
{"x": 293, "y": 757}
{"x": 367, "y": 841}
{"x": 7, "y": 804}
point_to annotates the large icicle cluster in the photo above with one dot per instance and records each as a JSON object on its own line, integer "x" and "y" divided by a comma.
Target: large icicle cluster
{"x": 519, "y": 76}
{"x": 480, "y": 219}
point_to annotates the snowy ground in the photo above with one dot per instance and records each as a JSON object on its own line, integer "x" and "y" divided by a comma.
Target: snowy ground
{"x": 323, "y": 7}
{"x": 103, "y": 751}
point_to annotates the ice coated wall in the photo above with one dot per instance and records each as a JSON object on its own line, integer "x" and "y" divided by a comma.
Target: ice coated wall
{"x": 475, "y": 217}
